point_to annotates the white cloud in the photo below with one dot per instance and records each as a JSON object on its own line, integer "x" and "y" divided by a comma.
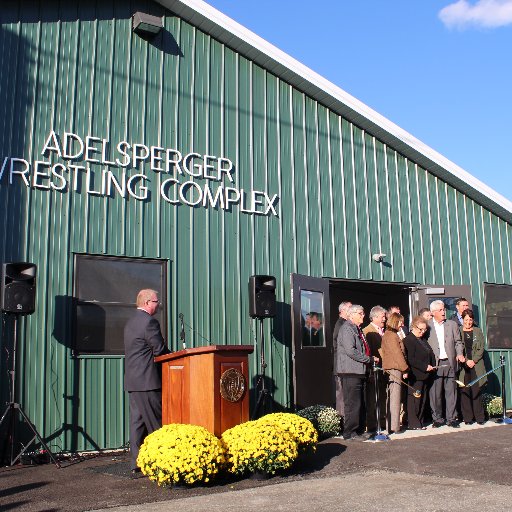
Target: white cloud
{"x": 483, "y": 13}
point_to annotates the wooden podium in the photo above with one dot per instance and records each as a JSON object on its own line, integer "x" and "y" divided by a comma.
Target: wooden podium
{"x": 206, "y": 386}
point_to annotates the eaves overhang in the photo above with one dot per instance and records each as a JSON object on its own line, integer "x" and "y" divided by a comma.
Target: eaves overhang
{"x": 251, "y": 46}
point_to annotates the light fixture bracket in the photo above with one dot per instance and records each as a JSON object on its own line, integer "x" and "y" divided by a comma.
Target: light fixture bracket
{"x": 146, "y": 24}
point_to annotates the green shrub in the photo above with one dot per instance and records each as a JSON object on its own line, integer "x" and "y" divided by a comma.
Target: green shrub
{"x": 325, "y": 419}
{"x": 493, "y": 405}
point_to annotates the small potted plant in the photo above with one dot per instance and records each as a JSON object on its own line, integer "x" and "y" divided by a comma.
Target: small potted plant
{"x": 300, "y": 428}
{"x": 493, "y": 405}
{"x": 325, "y": 419}
{"x": 180, "y": 454}
{"x": 258, "y": 447}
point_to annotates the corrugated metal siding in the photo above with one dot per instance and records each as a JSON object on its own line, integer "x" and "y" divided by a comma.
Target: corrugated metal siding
{"x": 344, "y": 195}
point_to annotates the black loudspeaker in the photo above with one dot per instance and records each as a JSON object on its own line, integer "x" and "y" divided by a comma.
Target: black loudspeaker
{"x": 262, "y": 296}
{"x": 18, "y": 292}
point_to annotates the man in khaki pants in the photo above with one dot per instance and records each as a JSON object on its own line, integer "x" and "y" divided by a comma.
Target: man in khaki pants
{"x": 374, "y": 332}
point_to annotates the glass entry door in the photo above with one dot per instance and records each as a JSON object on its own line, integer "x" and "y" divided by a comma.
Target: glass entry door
{"x": 312, "y": 342}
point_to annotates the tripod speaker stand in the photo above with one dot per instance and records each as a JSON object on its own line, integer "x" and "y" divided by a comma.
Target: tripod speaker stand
{"x": 262, "y": 304}
{"x": 263, "y": 394}
{"x": 13, "y": 408}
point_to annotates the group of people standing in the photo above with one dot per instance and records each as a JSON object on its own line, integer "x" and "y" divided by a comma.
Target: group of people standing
{"x": 374, "y": 367}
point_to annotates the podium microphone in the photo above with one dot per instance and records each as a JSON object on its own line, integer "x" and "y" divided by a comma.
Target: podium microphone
{"x": 182, "y": 333}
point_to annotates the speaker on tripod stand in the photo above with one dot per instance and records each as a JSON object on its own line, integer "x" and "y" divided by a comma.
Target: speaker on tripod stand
{"x": 18, "y": 290}
{"x": 17, "y": 298}
{"x": 262, "y": 304}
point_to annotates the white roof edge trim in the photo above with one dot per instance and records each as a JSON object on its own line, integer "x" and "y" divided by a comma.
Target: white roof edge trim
{"x": 212, "y": 16}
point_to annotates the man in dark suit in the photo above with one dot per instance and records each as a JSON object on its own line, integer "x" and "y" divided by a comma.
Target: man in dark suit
{"x": 317, "y": 331}
{"x": 353, "y": 364}
{"x": 461, "y": 304}
{"x": 446, "y": 343}
{"x": 142, "y": 342}
{"x": 342, "y": 309}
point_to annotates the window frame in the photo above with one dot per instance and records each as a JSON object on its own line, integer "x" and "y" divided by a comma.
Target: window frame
{"x": 79, "y": 351}
{"x": 489, "y": 344}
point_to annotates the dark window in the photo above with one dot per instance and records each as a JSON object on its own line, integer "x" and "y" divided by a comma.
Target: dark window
{"x": 312, "y": 315}
{"x": 498, "y": 306}
{"x": 105, "y": 293}
{"x": 449, "y": 305}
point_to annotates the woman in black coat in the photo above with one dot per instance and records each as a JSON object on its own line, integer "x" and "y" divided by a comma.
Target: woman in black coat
{"x": 421, "y": 361}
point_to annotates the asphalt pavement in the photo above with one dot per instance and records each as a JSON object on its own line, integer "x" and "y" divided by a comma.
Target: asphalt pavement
{"x": 432, "y": 470}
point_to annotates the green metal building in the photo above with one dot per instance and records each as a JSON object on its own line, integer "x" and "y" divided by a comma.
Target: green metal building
{"x": 187, "y": 161}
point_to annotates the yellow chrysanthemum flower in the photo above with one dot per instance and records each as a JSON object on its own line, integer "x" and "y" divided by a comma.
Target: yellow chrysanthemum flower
{"x": 301, "y": 429}
{"x": 258, "y": 446}
{"x": 180, "y": 453}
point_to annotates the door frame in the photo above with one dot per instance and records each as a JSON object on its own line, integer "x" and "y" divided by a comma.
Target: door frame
{"x": 313, "y": 354}
{"x": 423, "y": 294}
{"x": 309, "y": 358}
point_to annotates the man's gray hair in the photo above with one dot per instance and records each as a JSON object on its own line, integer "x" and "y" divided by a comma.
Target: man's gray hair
{"x": 355, "y": 308}
{"x": 435, "y": 304}
{"x": 344, "y": 306}
{"x": 376, "y": 310}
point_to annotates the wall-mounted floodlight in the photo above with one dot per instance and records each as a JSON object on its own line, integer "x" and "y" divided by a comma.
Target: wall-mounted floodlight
{"x": 146, "y": 24}
{"x": 379, "y": 258}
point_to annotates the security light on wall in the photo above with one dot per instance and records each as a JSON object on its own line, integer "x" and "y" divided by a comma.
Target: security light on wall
{"x": 146, "y": 24}
{"x": 379, "y": 258}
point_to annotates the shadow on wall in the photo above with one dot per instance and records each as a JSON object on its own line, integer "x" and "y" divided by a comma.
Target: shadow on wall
{"x": 94, "y": 340}
{"x": 277, "y": 347}
{"x": 282, "y": 325}
{"x": 29, "y": 103}
{"x": 261, "y": 399}
{"x": 15, "y": 97}
{"x": 165, "y": 42}
{"x": 493, "y": 385}
{"x": 107, "y": 11}
{"x": 282, "y": 334}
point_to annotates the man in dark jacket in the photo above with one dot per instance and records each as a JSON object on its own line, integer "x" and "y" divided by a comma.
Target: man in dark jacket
{"x": 142, "y": 342}
{"x": 461, "y": 304}
{"x": 353, "y": 363}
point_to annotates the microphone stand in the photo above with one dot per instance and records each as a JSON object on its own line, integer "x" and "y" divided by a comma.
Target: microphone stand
{"x": 263, "y": 395}
{"x": 182, "y": 333}
{"x": 379, "y": 436}
{"x": 505, "y": 420}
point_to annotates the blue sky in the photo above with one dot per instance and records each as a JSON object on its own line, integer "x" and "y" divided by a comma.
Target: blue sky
{"x": 440, "y": 69}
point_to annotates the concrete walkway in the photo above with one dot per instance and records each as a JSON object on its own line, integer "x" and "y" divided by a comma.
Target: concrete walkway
{"x": 362, "y": 492}
{"x": 366, "y": 489}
